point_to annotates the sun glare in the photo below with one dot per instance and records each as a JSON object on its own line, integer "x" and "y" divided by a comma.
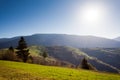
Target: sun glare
{"x": 91, "y": 18}
{"x": 91, "y": 14}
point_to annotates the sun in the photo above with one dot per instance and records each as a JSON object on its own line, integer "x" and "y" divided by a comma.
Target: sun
{"x": 90, "y": 18}
{"x": 91, "y": 14}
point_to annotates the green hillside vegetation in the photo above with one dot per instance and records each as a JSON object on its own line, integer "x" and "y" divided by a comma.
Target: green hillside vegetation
{"x": 67, "y": 57}
{"x": 36, "y": 50}
{"x": 77, "y": 51}
{"x": 36, "y": 57}
{"x": 24, "y": 71}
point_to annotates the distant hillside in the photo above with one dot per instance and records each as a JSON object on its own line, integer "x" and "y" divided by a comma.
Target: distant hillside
{"x": 62, "y": 40}
{"x": 75, "y": 56}
{"x": 23, "y": 71}
{"x": 107, "y": 55}
{"x": 117, "y": 39}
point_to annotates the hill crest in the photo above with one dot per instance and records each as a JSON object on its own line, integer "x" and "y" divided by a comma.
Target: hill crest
{"x": 63, "y": 40}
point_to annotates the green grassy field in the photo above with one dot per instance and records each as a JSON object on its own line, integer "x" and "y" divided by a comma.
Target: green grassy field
{"x": 24, "y": 71}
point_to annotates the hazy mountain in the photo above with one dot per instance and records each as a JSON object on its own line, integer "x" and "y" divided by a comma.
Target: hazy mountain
{"x": 62, "y": 40}
{"x": 117, "y": 39}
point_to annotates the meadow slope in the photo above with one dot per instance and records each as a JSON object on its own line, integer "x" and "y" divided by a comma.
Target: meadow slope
{"x": 24, "y": 71}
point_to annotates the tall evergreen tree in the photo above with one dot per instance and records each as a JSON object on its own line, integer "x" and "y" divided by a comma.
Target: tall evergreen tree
{"x": 84, "y": 64}
{"x": 45, "y": 54}
{"x": 22, "y": 52}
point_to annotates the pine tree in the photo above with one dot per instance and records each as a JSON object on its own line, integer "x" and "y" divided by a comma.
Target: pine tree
{"x": 11, "y": 49}
{"x": 45, "y": 54}
{"x": 84, "y": 64}
{"x": 22, "y": 52}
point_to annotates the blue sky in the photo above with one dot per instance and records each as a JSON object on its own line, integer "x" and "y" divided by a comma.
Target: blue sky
{"x": 26, "y": 17}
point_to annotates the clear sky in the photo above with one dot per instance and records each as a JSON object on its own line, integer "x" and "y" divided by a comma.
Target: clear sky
{"x": 77, "y": 17}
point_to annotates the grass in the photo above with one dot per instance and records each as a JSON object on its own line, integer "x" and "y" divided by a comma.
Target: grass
{"x": 24, "y": 71}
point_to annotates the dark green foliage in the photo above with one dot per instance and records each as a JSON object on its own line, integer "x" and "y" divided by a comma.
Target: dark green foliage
{"x": 86, "y": 65}
{"x": 45, "y": 54}
{"x": 21, "y": 44}
{"x": 22, "y": 52}
{"x": 11, "y": 48}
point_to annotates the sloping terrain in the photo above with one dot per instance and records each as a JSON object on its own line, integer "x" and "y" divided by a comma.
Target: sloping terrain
{"x": 75, "y": 56}
{"x": 117, "y": 39}
{"x": 107, "y": 55}
{"x": 24, "y": 71}
{"x": 69, "y": 57}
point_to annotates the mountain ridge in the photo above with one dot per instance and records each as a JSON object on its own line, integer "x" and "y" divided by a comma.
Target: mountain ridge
{"x": 117, "y": 39}
{"x": 62, "y": 40}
